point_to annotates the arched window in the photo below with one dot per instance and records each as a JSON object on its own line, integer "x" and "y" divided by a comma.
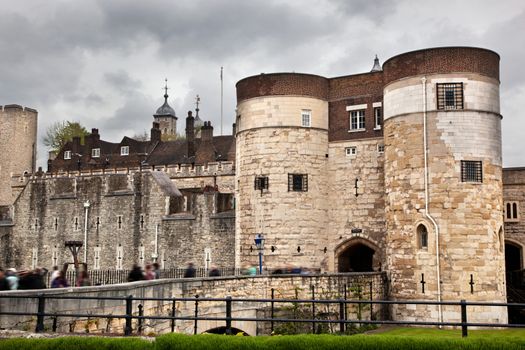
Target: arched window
{"x": 422, "y": 237}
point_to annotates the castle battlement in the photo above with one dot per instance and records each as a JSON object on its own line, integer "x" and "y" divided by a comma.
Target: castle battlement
{"x": 174, "y": 171}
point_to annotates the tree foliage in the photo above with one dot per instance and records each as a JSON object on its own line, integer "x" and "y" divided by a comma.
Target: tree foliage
{"x": 58, "y": 133}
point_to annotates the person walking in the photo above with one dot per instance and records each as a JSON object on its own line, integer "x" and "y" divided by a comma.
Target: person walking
{"x": 136, "y": 274}
{"x": 190, "y": 271}
{"x": 60, "y": 281}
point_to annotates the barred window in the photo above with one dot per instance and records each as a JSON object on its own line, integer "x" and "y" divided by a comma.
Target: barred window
{"x": 471, "y": 171}
{"x": 378, "y": 118}
{"x": 67, "y": 154}
{"x": 261, "y": 183}
{"x": 95, "y": 153}
{"x": 298, "y": 182}
{"x": 449, "y": 96}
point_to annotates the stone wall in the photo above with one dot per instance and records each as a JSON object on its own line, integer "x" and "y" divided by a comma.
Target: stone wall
{"x": 128, "y": 213}
{"x": 356, "y": 218}
{"x": 467, "y": 214}
{"x": 17, "y": 147}
{"x": 258, "y": 287}
{"x": 514, "y": 191}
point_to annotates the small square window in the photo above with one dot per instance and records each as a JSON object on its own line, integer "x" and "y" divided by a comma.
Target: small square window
{"x": 298, "y": 182}
{"x": 351, "y": 151}
{"x": 67, "y": 154}
{"x": 357, "y": 120}
{"x": 261, "y": 183}
{"x": 95, "y": 153}
{"x": 380, "y": 148}
{"x": 124, "y": 150}
{"x": 471, "y": 171}
{"x": 449, "y": 96}
{"x": 306, "y": 115}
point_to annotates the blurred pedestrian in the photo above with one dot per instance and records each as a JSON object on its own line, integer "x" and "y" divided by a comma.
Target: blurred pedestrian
{"x": 214, "y": 271}
{"x": 4, "y": 285}
{"x": 54, "y": 274}
{"x": 60, "y": 281}
{"x": 149, "y": 274}
{"x": 136, "y": 274}
{"x": 156, "y": 269}
{"x": 190, "y": 271}
{"x": 12, "y": 278}
{"x": 83, "y": 279}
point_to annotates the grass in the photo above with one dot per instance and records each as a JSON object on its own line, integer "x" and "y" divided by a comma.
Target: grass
{"x": 399, "y": 338}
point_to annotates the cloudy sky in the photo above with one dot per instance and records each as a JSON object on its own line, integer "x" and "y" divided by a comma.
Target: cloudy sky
{"x": 103, "y": 62}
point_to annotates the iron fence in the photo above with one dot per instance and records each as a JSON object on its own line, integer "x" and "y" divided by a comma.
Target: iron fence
{"x": 103, "y": 277}
{"x": 338, "y": 317}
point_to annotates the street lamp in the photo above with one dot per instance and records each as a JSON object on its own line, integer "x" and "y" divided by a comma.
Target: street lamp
{"x": 86, "y": 208}
{"x": 259, "y": 243}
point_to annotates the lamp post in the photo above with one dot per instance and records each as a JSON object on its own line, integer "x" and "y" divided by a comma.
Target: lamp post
{"x": 259, "y": 243}
{"x": 86, "y": 209}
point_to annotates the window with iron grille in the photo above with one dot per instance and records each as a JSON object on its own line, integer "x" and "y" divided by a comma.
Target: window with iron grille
{"x": 261, "y": 183}
{"x": 449, "y": 96}
{"x": 298, "y": 182}
{"x": 378, "y": 118}
{"x": 471, "y": 171}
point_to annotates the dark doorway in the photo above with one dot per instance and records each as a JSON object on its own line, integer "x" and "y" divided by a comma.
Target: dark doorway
{"x": 356, "y": 258}
{"x": 512, "y": 257}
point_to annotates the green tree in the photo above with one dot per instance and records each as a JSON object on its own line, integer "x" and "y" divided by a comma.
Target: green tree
{"x": 58, "y": 133}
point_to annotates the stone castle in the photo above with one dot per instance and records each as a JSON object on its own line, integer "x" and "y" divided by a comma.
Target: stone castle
{"x": 397, "y": 170}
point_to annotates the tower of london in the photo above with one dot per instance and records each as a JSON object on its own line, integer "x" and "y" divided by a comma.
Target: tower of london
{"x": 398, "y": 169}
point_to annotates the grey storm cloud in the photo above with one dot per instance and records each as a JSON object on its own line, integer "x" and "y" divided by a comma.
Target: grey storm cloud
{"x": 103, "y": 63}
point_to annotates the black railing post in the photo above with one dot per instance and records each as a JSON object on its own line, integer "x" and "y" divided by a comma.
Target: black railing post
{"x": 464, "y": 330}
{"x": 371, "y": 302}
{"x": 345, "y": 296}
{"x": 41, "y": 311}
{"x": 342, "y": 316}
{"x": 55, "y": 323}
{"x": 173, "y": 316}
{"x": 141, "y": 313}
{"x": 196, "y": 314}
{"x": 313, "y": 308}
{"x": 228, "y": 315}
{"x": 272, "y": 310}
{"x": 129, "y": 312}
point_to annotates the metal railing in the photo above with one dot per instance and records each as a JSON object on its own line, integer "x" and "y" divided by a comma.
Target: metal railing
{"x": 338, "y": 316}
{"x": 104, "y": 277}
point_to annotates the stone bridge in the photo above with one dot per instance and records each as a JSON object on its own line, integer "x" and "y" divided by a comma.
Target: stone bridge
{"x": 325, "y": 286}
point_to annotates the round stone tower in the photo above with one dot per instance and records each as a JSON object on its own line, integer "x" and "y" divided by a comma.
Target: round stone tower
{"x": 443, "y": 181}
{"x": 17, "y": 146}
{"x": 282, "y": 150}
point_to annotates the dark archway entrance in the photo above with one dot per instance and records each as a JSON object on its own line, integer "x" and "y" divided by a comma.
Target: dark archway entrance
{"x": 356, "y": 258}
{"x": 512, "y": 257}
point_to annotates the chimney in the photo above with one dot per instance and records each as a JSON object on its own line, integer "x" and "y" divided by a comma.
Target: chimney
{"x": 155, "y": 132}
{"x": 190, "y": 134}
{"x": 207, "y": 132}
{"x": 76, "y": 144}
{"x": 92, "y": 139}
{"x": 49, "y": 165}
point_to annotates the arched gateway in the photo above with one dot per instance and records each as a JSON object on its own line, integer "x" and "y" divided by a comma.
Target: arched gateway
{"x": 358, "y": 255}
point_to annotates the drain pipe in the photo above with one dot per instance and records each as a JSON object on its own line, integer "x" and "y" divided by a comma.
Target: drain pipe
{"x": 427, "y": 214}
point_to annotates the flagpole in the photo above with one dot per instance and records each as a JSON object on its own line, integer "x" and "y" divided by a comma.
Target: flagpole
{"x": 221, "y": 99}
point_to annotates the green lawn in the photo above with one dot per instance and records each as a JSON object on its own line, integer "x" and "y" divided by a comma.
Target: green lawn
{"x": 382, "y": 339}
{"x": 448, "y": 333}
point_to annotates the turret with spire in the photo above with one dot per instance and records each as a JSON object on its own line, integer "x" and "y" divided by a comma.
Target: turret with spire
{"x": 377, "y": 66}
{"x": 198, "y": 121}
{"x": 166, "y": 118}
